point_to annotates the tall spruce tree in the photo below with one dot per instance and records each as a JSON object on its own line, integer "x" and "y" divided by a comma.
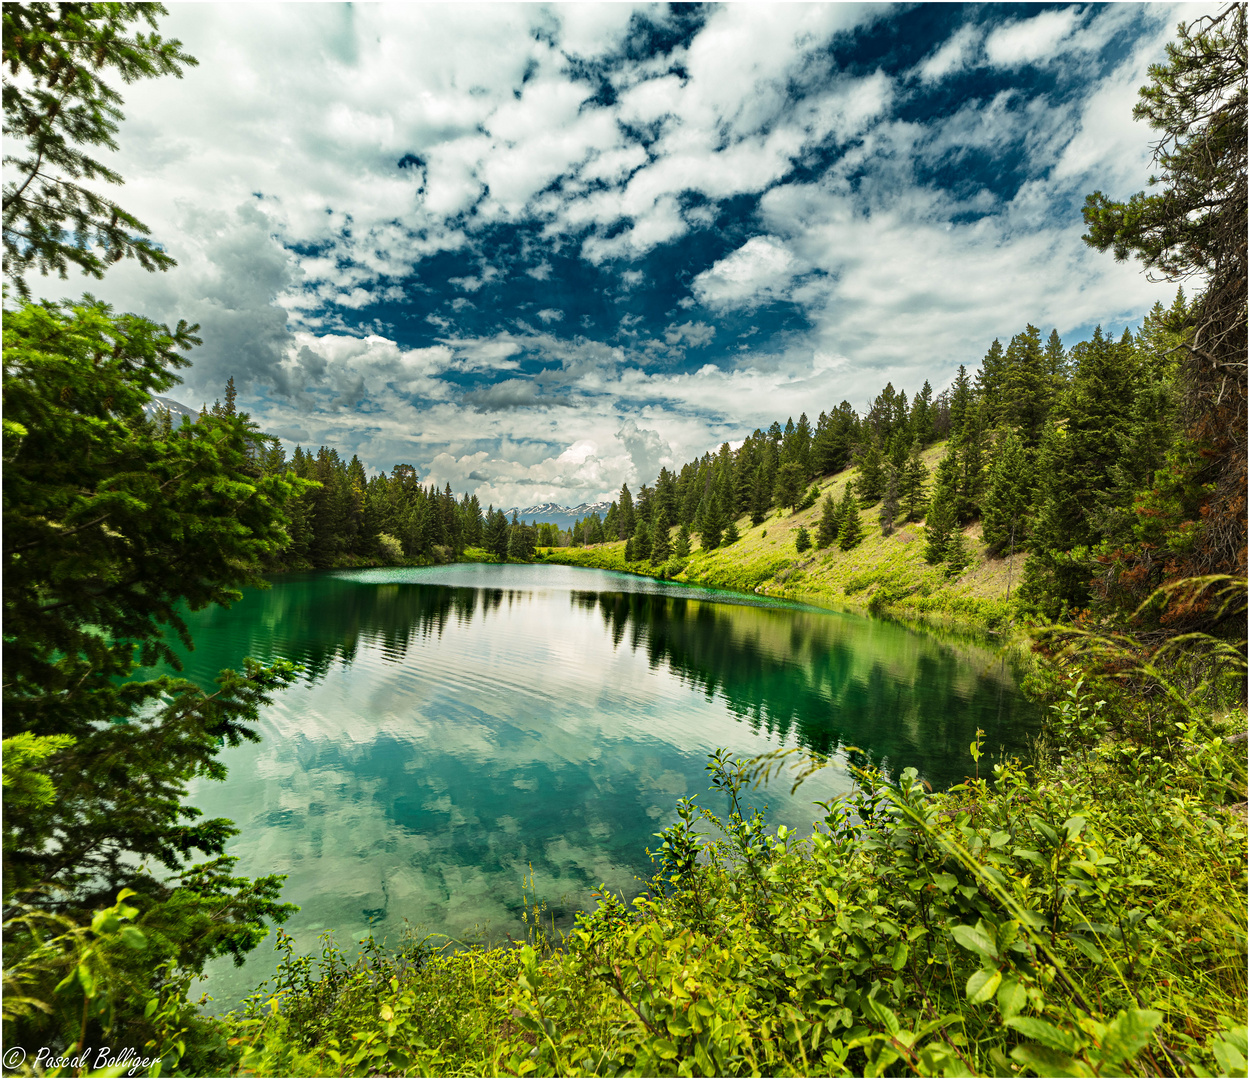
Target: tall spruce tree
{"x": 830, "y": 523}
{"x": 961, "y": 399}
{"x": 1009, "y": 495}
{"x": 1027, "y": 387}
{"x": 889, "y": 502}
{"x": 912, "y": 484}
{"x": 661, "y": 545}
{"x": 1195, "y": 226}
{"x": 850, "y": 529}
{"x": 871, "y": 464}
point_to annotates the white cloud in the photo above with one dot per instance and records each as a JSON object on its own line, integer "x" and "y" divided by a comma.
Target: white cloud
{"x": 312, "y": 107}
{"x": 689, "y": 333}
{"x": 1027, "y": 41}
{"x": 955, "y": 54}
{"x": 759, "y": 270}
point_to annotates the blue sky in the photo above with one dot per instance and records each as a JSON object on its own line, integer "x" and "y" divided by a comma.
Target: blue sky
{"x": 537, "y": 251}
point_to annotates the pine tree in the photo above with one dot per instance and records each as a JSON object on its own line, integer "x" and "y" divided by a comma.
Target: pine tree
{"x": 803, "y": 445}
{"x": 889, "y": 504}
{"x": 112, "y": 530}
{"x": 496, "y": 536}
{"x": 1055, "y": 364}
{"x": 956, "y": 556}
{"x": 1008, "y": 497}
{"x": 1027, "y": 386}
{"x": 990, "y": 381}
{"x": 59, "y": 104}
{"x": 971, "y": 457}
{"x": 830, "y": 522}
{"x": 939, "y": 527}
{"x": 711, "y": 522}
{"x": 960, "y": 403}
{"x": 788, "y": 489}
{"x": 912, "y": 484}
{"x": 851, "y": 529}
{"x": 921, "y": 422}
{"x": 730, "y": 535}
{"x": 871, "y": 465}
{"x": 681, "y": 548}
{"x": 661, "y": 546}
{"x": 1196, "y": 226}
{"x": 761, "y": 498}
{"x": 625, "y": 513}
{"x": 940, "y": 522}
{"x": 802, "y": 541}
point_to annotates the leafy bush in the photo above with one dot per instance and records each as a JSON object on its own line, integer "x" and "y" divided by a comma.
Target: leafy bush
{"x": 1063, "y": 925}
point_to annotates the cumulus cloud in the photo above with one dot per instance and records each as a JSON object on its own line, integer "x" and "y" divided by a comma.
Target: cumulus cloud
{"x": 956, "y": 53}
{"x": 1027, "y": 41}
{"x": 561, "y": 171}
{"x": 760, "y": 270}
{"x": 647, "y": 451}
{"x": 689, "y": 333}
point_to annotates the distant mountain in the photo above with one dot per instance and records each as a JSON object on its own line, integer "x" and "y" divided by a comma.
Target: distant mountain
{"x": 177, "y": 410}
{"x": 563, "y": 516}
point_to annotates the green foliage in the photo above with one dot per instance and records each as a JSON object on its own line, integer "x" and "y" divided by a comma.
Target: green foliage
{"x": 802, "y": 541}
{"x": 788, "y": 490}
{"x": 939, "y": 528}
{"x": 1009, "y": 496}
{"x": 681, "y": 546}
{"x": 1194, "y": 226}
{"x": 830, "y": 522}
{"x": 114, "y": 525}
{"x": 956, "y": 554}
{"x": 56, "y": 102}
{"x": 850, "y": 529}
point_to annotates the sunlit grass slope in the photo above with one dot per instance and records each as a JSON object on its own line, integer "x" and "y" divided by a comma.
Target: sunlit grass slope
{"x": 886, "y": 573}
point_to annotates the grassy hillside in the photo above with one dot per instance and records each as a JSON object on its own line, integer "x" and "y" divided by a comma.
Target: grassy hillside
{"x": 883, "y": 573}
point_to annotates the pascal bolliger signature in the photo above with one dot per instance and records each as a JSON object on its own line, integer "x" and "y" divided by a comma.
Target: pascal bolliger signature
{"x": 103, "y": 1058}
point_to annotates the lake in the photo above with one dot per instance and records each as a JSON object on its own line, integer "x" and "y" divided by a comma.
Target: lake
{"x": 458, "y": 730}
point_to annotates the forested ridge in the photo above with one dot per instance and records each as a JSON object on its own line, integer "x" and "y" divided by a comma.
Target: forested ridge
{"x": 1081, "y": 913}
{"x": 1075, "y": 455}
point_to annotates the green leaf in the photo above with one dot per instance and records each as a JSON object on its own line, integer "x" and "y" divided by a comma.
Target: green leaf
{"x": 133, "y": 938}
{"x": 1087, "y": 947}
{"x": 900, "y": 955}
{"x": 1045, "y": 1033}
{"x": 665, "y": 1048}
{"x": 1128, "y": 1033}
{"x": 982, "y": 984}
{"x": 87, "y": 979}
{"x": 1231, "y": 1060}
{"x": 975, "y": 940}
{"x": 1012, "y": 998}
{"x": 1046, "y": 1062}
{"x": 883, "y": 1015}
{"x": 945, "y": 882}
{"x": 104, "y": 922}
